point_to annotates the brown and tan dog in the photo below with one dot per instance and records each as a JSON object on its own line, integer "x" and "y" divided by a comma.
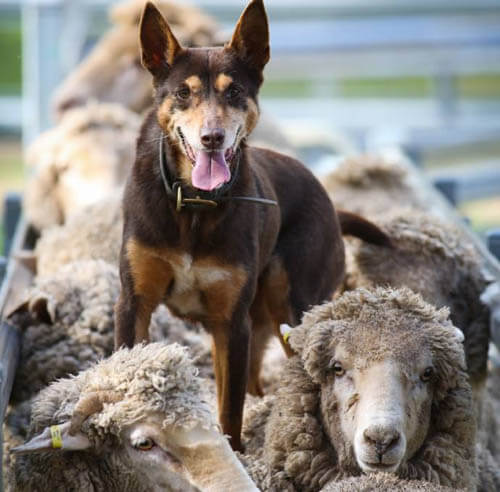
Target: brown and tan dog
{"x": 191, "y": 237}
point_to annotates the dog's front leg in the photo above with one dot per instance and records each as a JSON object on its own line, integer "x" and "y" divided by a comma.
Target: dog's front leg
{"x": 144, "y": 279}
{"x": 231, "y": 347}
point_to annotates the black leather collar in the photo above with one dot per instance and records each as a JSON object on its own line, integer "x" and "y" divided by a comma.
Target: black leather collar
{"x": 187, "y": 197}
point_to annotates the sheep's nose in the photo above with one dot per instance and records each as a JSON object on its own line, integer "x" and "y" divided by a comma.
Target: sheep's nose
{"x": 381, "y": 437}
{"x": 212, "y": 138}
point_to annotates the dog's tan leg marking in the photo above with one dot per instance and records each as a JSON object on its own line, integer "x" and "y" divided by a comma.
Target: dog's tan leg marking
{"x": 262, "y": 329}
{"x": 230, "y": 347}
{"x": 221, "y": 286}
{"x": 230, "y": 355}
{"x": 151, "y": 276}
{"x": 276, "y": 291}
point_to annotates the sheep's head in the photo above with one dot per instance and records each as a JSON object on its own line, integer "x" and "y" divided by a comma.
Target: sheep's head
{"x": 78, "y": 162}
{"x": 113, "y": 71}
{"x": 383, "y": 361}
{"x": 144, "y": 409}
{"x": 437, "y": 261}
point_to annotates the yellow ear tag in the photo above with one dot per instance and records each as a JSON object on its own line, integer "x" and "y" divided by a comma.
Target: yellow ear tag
{"x": 285, "y": 331}
{"x": 55, "y": 434}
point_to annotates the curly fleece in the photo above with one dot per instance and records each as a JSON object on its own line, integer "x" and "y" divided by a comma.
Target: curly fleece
{"x": 305, "y": 455}
{"x": 371, "y": 186}
{"x": 79, "y": 131}
{"x": 67, "y": 324}
{"x": 436, "y": 260}
{"x": 382, "y": 482}
{"x": 95, "y": 233}
{"x": 149, "y": 379}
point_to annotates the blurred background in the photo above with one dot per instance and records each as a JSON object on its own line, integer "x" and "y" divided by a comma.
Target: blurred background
{"x": 421, "y": 76}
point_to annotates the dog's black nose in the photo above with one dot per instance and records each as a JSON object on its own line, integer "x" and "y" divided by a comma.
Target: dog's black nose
{"x": 212, "y": 138}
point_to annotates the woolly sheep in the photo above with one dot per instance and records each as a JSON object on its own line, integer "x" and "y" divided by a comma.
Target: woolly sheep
{"x": 113, "y": 71}
{"x": 67, "y": 324}
{"x": 382, "y": 482}
{"x": 82, "y": 160}
{"x": 137, "y": 421}
{"x": 434, "y": 259}
{"x": 379, "y": 375}
{"x": 491, "y": 297}
{"x": 94, "y": 233}
{"x": 371, "y": 186}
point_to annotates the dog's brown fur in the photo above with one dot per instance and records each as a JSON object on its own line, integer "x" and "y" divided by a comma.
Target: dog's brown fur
{"x": 242, "y": 268}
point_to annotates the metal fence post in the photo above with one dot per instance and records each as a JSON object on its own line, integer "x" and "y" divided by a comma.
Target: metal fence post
{"x": 493, "y": 242}
{"x": 3, "y": 268}
{"x": 12, "y": 213}
{"x": 449, "y": 188}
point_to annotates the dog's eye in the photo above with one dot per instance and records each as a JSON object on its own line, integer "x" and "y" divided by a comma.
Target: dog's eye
{"x": 144, "y": 444}
{"x": 338, "y": 369}
{"x": 427, "y": 374}
{"x": 183, "y": 93}
{"x": 233, "y": 92}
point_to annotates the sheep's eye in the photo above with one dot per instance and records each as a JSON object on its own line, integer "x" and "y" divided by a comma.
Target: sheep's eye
{"x": 338, "y": 369}
{"x": 183, "y": 93}
{"x": 144, "y": 444}
{"x": 233, "y": 92}
{"x": 427, "y": 374}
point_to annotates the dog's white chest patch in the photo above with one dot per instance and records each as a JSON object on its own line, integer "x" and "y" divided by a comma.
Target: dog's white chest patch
{"x": 191, "y": 278}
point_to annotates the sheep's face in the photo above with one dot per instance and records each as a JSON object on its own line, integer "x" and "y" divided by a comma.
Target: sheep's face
{"x": 171, "y": 457}
{"x": 382, "y": 408}
{"x": 83, "y": 162}
{"x": 87, "y": 173}
{"x": 158, "y": 453}
{"x": 382, "y": 367}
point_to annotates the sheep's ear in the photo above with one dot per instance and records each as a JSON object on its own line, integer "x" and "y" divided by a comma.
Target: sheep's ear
{"x": 314, "y": 346}
{"x": 43, "y": 307}
{"x": 251, "y": 36}
{"x": 40, "y": 305}
{"x": 28, "y": 259}
{"x": 54, "y": 438}
{"x": 159, "y": 47}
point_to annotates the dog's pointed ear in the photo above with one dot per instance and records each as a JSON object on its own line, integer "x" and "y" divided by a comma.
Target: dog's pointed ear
{"x": 251, "y": 36}
{"x": 159, "y": 47}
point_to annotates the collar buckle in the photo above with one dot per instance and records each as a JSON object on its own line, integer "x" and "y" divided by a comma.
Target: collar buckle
{"x": 182, "y": 202}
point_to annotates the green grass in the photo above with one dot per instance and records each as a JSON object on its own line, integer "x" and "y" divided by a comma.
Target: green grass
{"x": 411, "y": 87}
{"x": 11, "y": 173}
{"x": 481, "y": 86}
{"x": 10, "y": 54}
{"x": 484, "y": 214}
{"x": 485, "y": 86}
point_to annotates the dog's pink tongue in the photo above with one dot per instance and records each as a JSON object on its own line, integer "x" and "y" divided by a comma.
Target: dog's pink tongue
{"x": 210, "y": 170}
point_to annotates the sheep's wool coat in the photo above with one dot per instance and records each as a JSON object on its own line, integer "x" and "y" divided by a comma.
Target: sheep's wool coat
{"x": 370, "y": 186}
{"x": 305, "y": 446}
{"x": 434, "y": 259}
{"x": 149, "y": 379}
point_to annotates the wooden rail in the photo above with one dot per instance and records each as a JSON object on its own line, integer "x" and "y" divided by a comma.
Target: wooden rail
{"x": 15, "y": 280}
